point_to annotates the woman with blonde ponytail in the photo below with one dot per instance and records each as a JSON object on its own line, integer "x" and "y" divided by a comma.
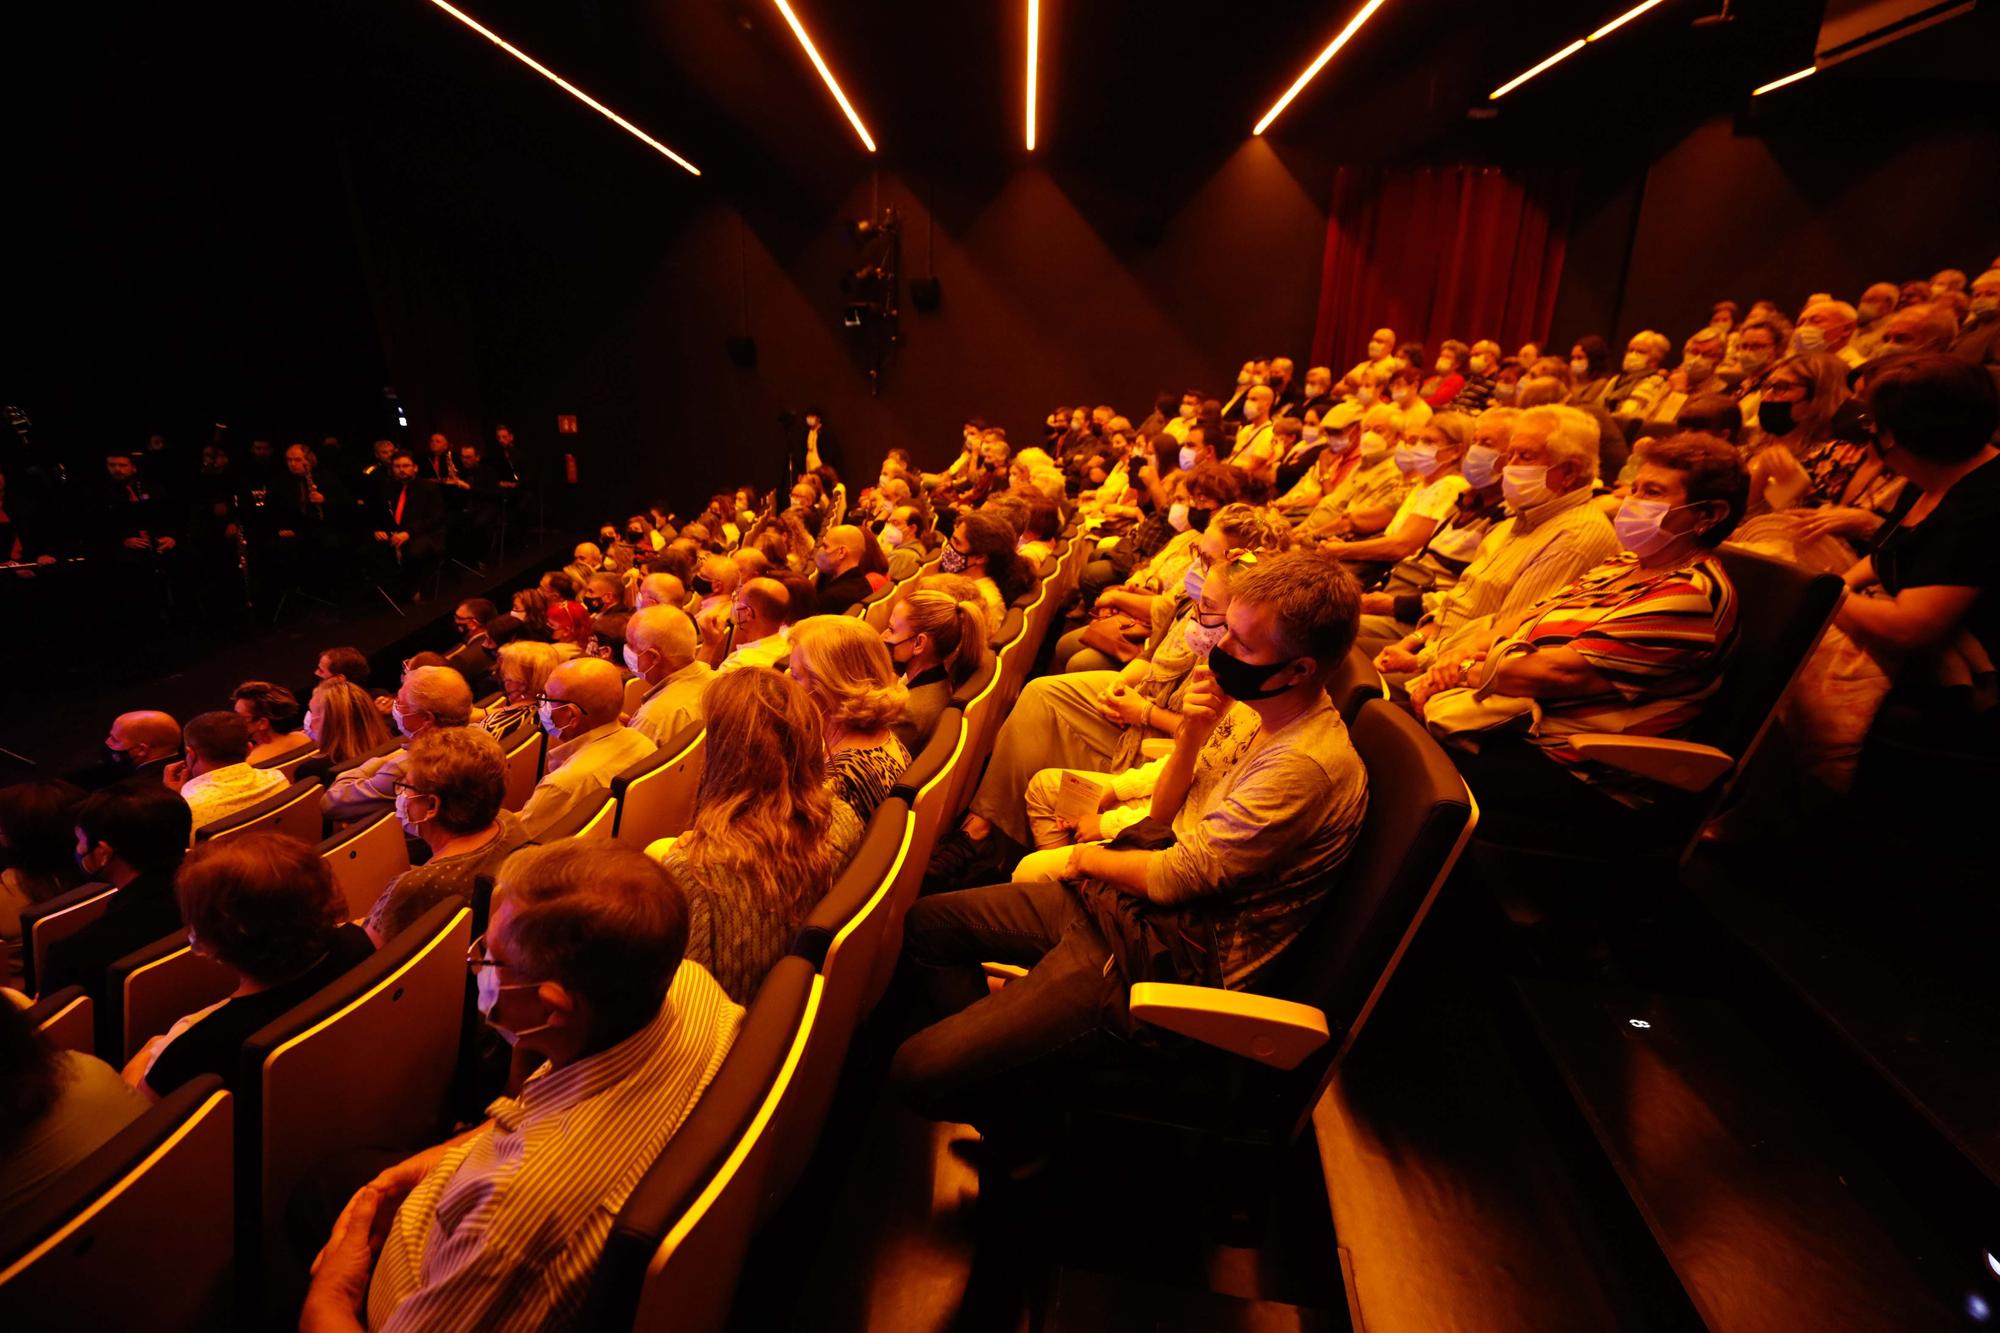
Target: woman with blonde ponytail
{"x": 762, "y": 850}
{"x": 847, "y": 674}
{"x": 938, "y": 642}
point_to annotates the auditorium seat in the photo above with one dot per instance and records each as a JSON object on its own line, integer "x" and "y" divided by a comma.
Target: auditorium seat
{"x": 365, "y": 1063}
{"x": 289, "y": 765}
{"x": 982, "y": 723}
{"x": 585, "y": 821}
{"x": 677, "y": 1246}
{"x": 656, "y": 795}
{"x": 523, "y": 749}
{"x": 925, "y": 786}
{"x": 147, "y": 991}
{"x": 67, "y": 1019}
{"x": 635, "y": 694}
{"x": 46, "y": 924}
{"x": 293, "y": 812}
{"x": 364, "y": 857}
{"x": 138, "y": 1235}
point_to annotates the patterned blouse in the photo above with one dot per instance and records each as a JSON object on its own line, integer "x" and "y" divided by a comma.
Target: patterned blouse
{"x": 862, "y": 778}
{"x": 1660, "y": 641}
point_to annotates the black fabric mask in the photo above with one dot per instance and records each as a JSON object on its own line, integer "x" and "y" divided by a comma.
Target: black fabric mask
{"x": 702, "y": 585}
{"x": 1198, "y": 519}
{"x": 1241, "y": 680}
{"x": 1775, "y": 418}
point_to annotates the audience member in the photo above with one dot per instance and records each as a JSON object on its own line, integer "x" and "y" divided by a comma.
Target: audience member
{"x": 841, "y": 582}
{"x": 448, "y": 798}
{"x": 761, "y": 614}
{"x": 271, "y": 712}
{"x": 37, "y": 855}
{"x": 57, "y": 1107}
{"x": 938, "y": 644}
{"x": 345, "y": 724}
{"x": 214, "y": 778}
{"x": 847, "y": 675}
{"x": 660, "y": 646}
{"x": 139, "y": 744}
{"x": 525, "y": 665}
{"x": 431, "y": 697}
{"x": 578, "y": 708}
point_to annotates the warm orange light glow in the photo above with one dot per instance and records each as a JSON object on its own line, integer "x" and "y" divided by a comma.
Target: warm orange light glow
{"x": 1775, "y": 84}
{"x": 568, "y": 87}
{"x": 1571, "y": 49}
{"x": 832, "y": 84}
{"x": 1353, "y": 26}
{"x": 1034, "y": 43}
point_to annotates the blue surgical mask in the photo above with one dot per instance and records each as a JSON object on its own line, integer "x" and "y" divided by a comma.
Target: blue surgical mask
{"x": 1187, "y": 457}
{"x": 488, "y": 985}
{"x": 892, "y": 536}
{"x": 1525, "y": 484}
{"x": 1478, "y": 465}
{"x": 1418, "y": 459}
{"x": 1196, "y": 576}
{"x": 1637, "y": 525}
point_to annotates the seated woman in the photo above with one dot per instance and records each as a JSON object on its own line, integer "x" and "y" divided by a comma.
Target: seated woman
{"x": 1825, "y": 491}
{"x": 449, "y": 798}
{"x": 1635, "y": 646}
{"x": 1911, "y": 649}
{"x": 1796, "y": 401}
{"x": 272, "y": 714}
{"x": 342, "y": 719}
{"x": 1431, "y": 461}
{"x": 982, "y": 549}
{"x": 59, "y": 1107}
{"x": 762, "y": 849}
{"x": 1098, "y": 720}
{"x": 531, "y": 609}
{"x": 524, "y": 668}
{"x": 264, "y": 905}
{"x": 1326, "y": 457}
{"x": 568, "y": 618}
{"x": 37, "y": 855}
{"x": 847, "y": 674}
{"x": 938, "y": 642}
{"x": 1039, "y": 532}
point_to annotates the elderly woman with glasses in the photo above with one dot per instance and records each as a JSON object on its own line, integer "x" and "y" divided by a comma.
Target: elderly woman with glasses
{"x": 449, "y": 799}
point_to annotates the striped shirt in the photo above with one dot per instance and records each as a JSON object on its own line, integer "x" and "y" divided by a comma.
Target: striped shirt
{"x": 505, "y": 1231}
{"x": 1523, "y": 560}
{"x": 1659, "y": 640}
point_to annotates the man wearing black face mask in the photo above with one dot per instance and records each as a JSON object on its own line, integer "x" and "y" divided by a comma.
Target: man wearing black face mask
{"x": 139, "y": 744}
{"x": 1256, "y": 807}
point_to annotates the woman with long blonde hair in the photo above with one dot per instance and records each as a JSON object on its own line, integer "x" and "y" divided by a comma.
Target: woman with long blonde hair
{"x": 938, "y": 642}
{"x": 847, "y": 674}
{"x": 343, "y": 720}
{"x": 761, "y": 851}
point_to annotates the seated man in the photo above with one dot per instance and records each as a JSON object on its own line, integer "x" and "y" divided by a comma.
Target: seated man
{"x": 762, "y": 612}
{"x": 215, "y": 778}
{"x": 659, "y": 648}
{"x": 1250, "y": 815}
{"x": 579, "y": 709}
{"x": 132, "y": 835}
{"x": 840, "y": 582}
{"x": 140, "y": 744}
{"x": 660, "y": 590}
{"x": 504, "y": 1225}
{"x": 431, "y": 697}
{"x": 903, "y": 541}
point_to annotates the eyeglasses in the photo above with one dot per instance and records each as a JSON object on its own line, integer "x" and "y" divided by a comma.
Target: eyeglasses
{"x": 403, "y": 788}
{"x": 476, "y": 956}
{"x": 551, "y": 699}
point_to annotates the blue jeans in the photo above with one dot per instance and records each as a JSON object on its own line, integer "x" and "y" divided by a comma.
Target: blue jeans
{"x": 987, "y": 1054}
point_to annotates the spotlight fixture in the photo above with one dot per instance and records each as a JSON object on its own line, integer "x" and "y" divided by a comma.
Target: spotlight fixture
{"x": 1792, "y": 78}
{"x": 1319, "y": 62}
{"x": 1034, "y": 42}
{"x": 825, "y": 74}
{"x": 568, "y": 87}
{"x": 1605, "y": 31}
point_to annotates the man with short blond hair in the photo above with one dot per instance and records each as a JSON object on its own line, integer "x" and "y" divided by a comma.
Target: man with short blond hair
{"x": 659, "y": 649}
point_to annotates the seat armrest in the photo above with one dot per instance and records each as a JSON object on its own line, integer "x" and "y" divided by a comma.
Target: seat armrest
{"x": 1682, "y": 764}
{"x": 1278, "y": 1033}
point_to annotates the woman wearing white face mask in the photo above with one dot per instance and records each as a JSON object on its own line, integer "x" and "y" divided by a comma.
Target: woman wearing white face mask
{"x": 1590, "y": 371}
{"x": 1637, "y": 645}
{"x": 1447, "y": 376}
{"x": 1431, "y": 459}
{"x": 449, "y": 799}
{"x": 1641, "y": 378}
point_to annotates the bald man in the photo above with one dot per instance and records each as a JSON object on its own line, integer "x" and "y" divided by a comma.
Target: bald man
{"x": 760, "y": 617}
{"x": 1381, "y": 356}
{"x": 430, "y": 697}
{"x": 716, "y": 578}
{"x": 840, "y": 583}
{"x": 578, "y": 708}
{"x": 659, "y": 649}
{"x": 660, "y": 590}
{"x": 142, "y": 742}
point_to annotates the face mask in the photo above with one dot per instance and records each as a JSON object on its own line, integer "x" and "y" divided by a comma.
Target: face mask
{"x": 1478, "y": 465}
{"x": 1776, "y": 418}
{"x": 1752, "y": 359}
{"x": 1401, "y": 393}
{"x": 405, "y": 722}
{"x": 309, "y": 727}
{"x": 1196, "y": 576}
{"x": 1177, "y": 518}
{"x": 702, "y": 585}
{"x": 952, "y": 561}
{"x": 403, "y": 816}
{"x": 1339, "y": 442}
{"x": 1633, "y": 362}
{"x": 546, "y": 715}
{"x": 1809, "y": 338}
{"x": 1445, "y": 365}
{"x": 1872, "y": 310}
{"x": 892, "y": 535}
{"x": 823, "y": 561}
{"x": 489, "y": 987}
{"x": 1309, "y": 434}
{"x": 1251, "y": 409}
{"x": 896, "y": 655}
{"x": 593, "y": 604}
{"x": 1241, "y": 680}
{"x": 1525, "y": 484}
{"x": 121, "y": 759}
{"x": 1187, "y": 458}
{"x": 1637, "y": 526}
{"x": 1698, "y": 368}
{"x": 1377, "y": 351}
{"x": 1481, "y": 363}
{"x": 1201, "y": 639}
{"x": 1418, "y": 459}
{"x": 1365, "y": 395}
{"x": 1580, "y": 369}
{"x": 631, "y": 656}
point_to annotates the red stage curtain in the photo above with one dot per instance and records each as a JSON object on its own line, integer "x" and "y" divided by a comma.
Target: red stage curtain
{"x": 1436, "y": 253}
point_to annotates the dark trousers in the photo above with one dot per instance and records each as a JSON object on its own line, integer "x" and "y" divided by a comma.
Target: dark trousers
{"x": 986, "y": 1056}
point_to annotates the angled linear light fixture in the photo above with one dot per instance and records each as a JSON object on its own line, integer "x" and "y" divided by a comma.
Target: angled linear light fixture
{"x": 1034, "y": 55}
{"x": 1571, "y": 50}
{"x": 1776, "y": 84}
{"x": 568, "y": 87}
{"x": 1319, "y": 63}
{"x": 832, "y": 84}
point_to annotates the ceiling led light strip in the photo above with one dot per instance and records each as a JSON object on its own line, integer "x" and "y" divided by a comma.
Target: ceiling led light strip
{"x": 832, "y": 84}
{"x": 1353, "y": 26}
{"x": 1034, "y": 45}
{"x": 1776, "y": 84}
{"x": 568, "y": 87}
{"x": 1571, "y": 50}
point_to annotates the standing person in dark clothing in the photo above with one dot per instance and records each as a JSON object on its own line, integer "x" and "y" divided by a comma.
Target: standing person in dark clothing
{"x": 405, "y": 525}
{"x": 134, "y": 533}
{"x": 814, "y": 445}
